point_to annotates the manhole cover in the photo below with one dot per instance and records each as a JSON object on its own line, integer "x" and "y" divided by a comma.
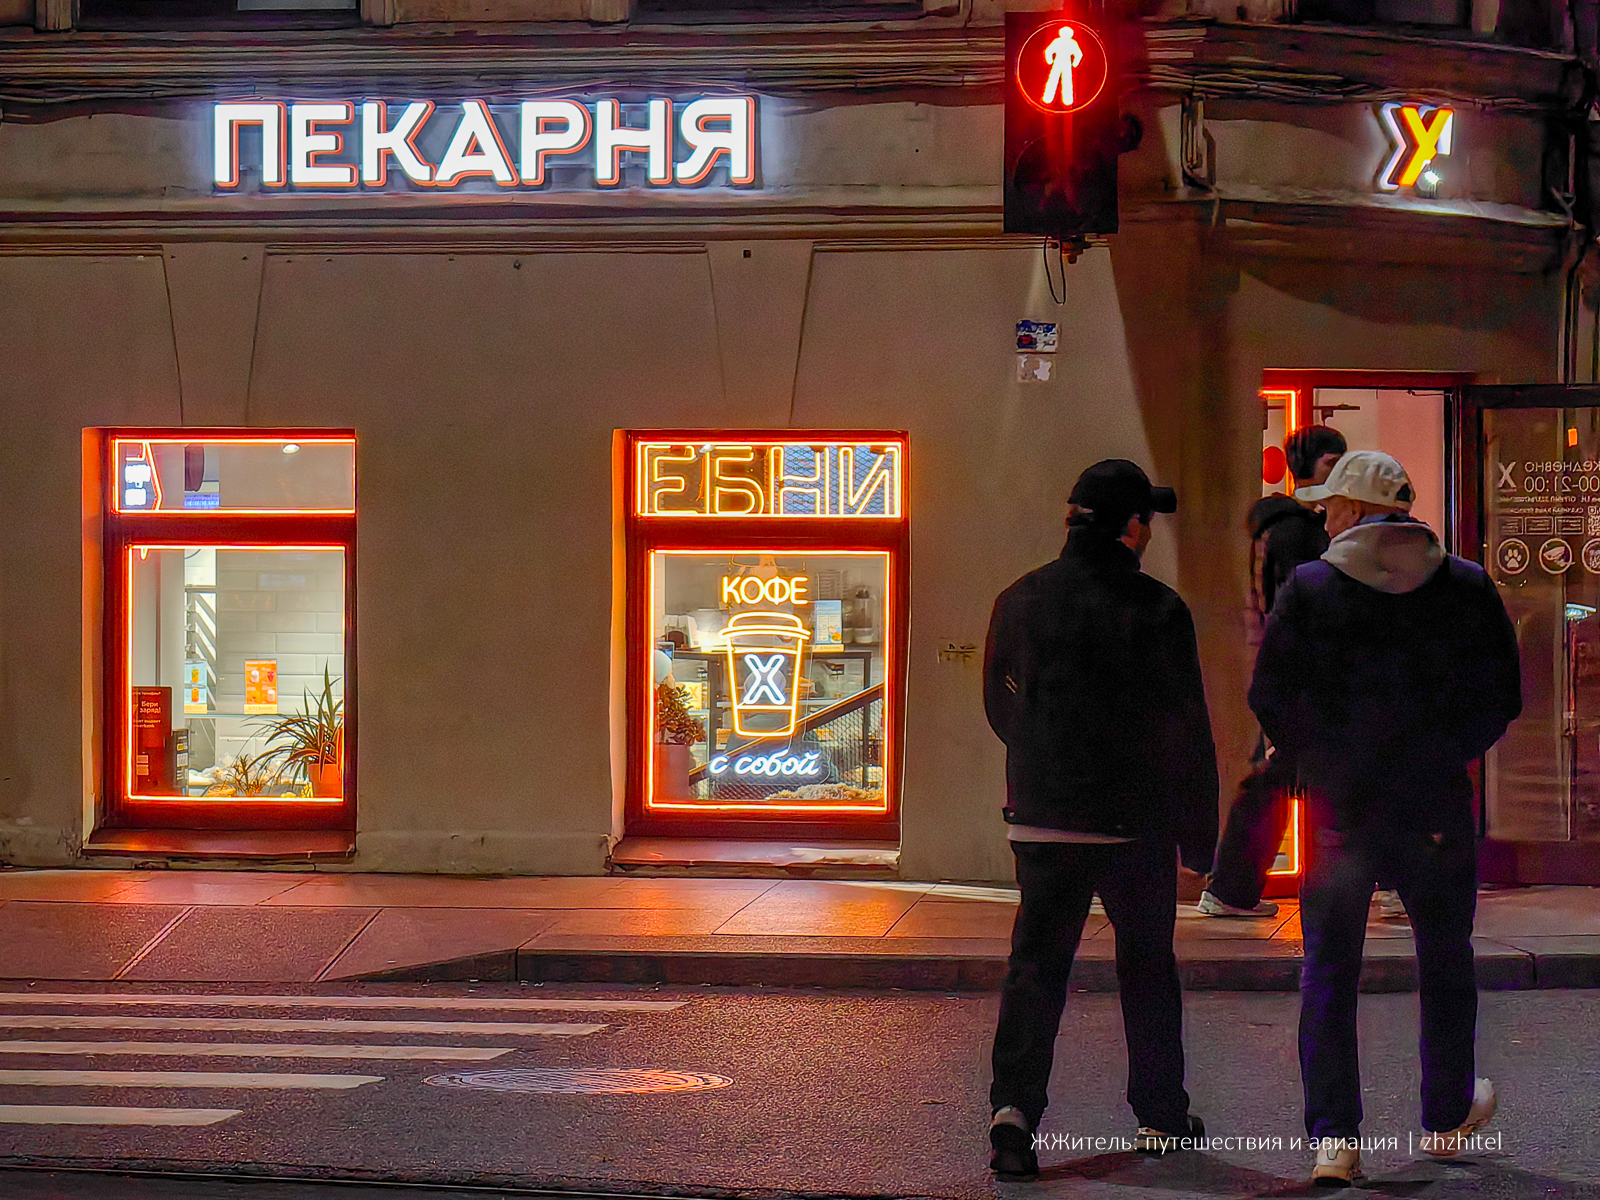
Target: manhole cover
{"x": 583, "y": 1081}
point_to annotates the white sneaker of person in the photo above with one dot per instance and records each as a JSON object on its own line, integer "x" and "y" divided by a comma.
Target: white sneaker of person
{"x": 1210, "y": 906}
{"x": 1451, "y": 1142}
{"x": 1338, "y": 1162}
{"x": 1390, "y": 906}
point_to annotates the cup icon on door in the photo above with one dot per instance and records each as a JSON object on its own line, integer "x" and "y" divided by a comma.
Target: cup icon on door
{"x": 764, "y": 653}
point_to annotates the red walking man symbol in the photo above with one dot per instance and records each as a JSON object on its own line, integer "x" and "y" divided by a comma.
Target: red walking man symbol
{"x": 1063, "y": 55}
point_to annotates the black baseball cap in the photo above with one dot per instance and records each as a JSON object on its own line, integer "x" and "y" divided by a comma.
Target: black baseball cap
{"x": 1116, "y": 487}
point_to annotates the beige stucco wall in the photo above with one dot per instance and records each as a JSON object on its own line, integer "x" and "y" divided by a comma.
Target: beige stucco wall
{"x": 485, "y": 386}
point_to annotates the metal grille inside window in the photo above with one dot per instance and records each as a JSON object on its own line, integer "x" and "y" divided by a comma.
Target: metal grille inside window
{"x": 849, "y": 745}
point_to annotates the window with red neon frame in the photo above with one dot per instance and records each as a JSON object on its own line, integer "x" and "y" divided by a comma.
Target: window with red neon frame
{"x": 229, "y": 584}
{"x": 765, "y": 606}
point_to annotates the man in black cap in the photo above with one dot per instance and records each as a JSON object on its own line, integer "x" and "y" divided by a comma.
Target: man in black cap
{"x": 1092, "y": 680}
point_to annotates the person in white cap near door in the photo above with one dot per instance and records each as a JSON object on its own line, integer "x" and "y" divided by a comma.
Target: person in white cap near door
{"x": 1386, "y": 667}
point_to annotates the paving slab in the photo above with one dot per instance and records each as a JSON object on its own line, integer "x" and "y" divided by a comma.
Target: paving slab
{"x": 447, "y": 891}
{"x": 251, "y": 945}
{"x": 438, "y": 944}
{"x": 1538, "y": 912}
{"x": 832, "y": 908}
{"x": 67, "y": 886}
{"x": 641, "y": 922}
{"x": 70, "y": 940}
{"x": 208, "y": 887}
{"x": 955, "y": 918}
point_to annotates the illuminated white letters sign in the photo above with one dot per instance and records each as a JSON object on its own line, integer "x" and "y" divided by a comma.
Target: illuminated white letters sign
{"x": 372, "y": 145}
{"x": 807, "y": 765}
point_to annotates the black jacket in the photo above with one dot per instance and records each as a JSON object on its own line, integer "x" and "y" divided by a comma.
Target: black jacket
{"x": 1386, "y": 669}
{"x": 1092, "y": 680}
{"x": 1286, "y": 533}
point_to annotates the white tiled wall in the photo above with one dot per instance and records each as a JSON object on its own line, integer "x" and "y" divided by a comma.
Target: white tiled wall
{"x": 286, "y": 605}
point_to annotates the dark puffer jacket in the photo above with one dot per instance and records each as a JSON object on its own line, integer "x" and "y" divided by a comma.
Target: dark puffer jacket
{"x": 1092, "y": 680}
{"x": 1386, "y": 668}
{"x": 1286, "y": 533}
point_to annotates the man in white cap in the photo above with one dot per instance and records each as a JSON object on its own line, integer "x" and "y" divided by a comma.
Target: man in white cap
{"x": 1386, "y": 667}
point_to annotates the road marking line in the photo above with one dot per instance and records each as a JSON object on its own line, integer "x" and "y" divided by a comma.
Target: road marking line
{"x": 261, "y": 1050}
{"x": 295, "y": 1025}
{"x": 183, "y": 1079}
{"x": 86, "y": 1114}
{"x": 512, "y": 1004}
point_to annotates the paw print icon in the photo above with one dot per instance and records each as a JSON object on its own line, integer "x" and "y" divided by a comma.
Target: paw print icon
{"x": 1512, "y": 557}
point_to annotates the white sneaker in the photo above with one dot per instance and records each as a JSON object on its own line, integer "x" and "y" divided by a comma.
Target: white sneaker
{"x": 1338, "y": 1163}
{"x": 1390, "y": 906}
{"x": 1210, "y": 906}
{"x": 1451, "y": 1142}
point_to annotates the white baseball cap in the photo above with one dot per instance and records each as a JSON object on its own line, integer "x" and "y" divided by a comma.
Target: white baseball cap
{"x": 1368, "y": 475}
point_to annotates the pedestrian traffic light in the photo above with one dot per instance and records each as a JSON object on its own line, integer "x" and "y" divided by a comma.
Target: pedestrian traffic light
{"x": 1063, "y": 131}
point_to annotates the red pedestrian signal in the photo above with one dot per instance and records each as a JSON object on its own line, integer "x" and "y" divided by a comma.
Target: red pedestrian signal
{"x": 1062, "y": 67}
{"x": 1063, "y": 127}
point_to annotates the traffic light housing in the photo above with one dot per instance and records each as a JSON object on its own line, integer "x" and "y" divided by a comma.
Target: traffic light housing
{"x": 1063, "y": 127}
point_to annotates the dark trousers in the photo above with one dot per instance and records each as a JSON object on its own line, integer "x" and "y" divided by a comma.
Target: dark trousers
{"x": 1256, "y": 825}
{"x": 1437, "y": 877}
{"x": 1138, "y": 884}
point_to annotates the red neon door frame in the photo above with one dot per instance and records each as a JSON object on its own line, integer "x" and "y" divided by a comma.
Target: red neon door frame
{"x": 1296, "y": 390}
{"x": 123, "y": 534}
{"x": 776, "y": 535}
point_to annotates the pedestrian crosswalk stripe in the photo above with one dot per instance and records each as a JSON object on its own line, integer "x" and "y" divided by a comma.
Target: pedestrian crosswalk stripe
{"x": 509, "y": 1004}
{"x": 261, "y": 1050}
{"x": 295, "y": 1025}
{"x": 184, "y": 1079}
{"x": 90, "y": 1114}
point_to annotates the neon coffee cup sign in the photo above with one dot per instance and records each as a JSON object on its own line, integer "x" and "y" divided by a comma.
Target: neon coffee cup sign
{"x": 555, "y": 144}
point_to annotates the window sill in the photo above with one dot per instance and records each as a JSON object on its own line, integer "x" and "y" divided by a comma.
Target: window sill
{"x": 278, "y": 845}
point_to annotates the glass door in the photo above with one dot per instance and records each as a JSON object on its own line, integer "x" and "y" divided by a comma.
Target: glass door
{"x": 1537, "y": 531}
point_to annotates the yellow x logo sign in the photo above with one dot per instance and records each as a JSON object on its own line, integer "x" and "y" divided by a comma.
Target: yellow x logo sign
{"x": 1420, "y": 134}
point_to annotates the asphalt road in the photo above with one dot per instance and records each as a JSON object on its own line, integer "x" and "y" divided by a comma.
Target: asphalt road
{"x": 777, "y": 1092}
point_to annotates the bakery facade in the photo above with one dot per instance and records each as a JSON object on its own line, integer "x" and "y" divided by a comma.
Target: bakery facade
{"x": 484, "y": 462}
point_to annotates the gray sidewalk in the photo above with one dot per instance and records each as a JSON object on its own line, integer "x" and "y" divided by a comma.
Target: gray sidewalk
{"x": 304, "y": 927}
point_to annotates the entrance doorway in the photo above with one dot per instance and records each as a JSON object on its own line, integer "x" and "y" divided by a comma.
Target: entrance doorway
{"x": 1409, "y": 414}
{"x": 1531, "y": 515}
{"x": 1510, "y": 477}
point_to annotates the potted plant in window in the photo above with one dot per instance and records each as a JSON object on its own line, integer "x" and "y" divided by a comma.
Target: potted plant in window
{"x": 676, "y": 732}
{"x": 245, "y": 776}
{"x": 311, "y": 742}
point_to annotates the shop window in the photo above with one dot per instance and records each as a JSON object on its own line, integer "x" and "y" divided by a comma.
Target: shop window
{"x": 767, "y": 610}
{"x": 229, "y": 599}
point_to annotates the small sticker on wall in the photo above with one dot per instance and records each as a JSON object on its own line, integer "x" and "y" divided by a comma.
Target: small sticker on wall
{"x": 1036, "y": 337}
{"x": 1034, "y": 368}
